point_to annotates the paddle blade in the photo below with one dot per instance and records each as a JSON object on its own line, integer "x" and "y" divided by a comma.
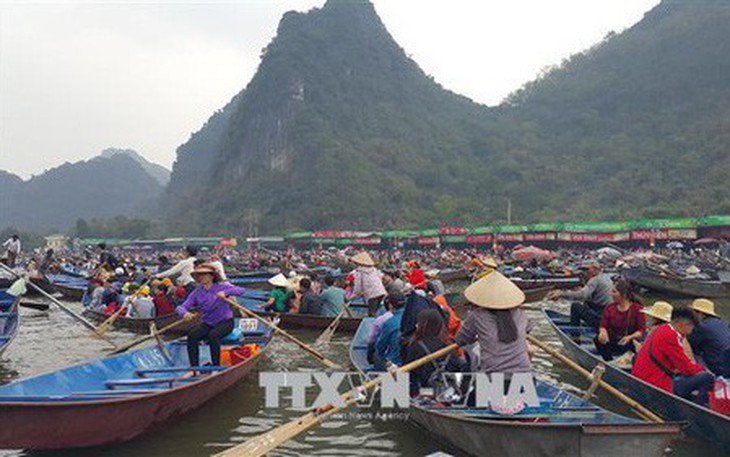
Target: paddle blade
{"x": 328, "y": 333}
{"x": 17, "y": 288}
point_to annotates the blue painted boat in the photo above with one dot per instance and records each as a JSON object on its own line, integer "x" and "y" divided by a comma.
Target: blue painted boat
{"x": 115, "y": 399}
{"x": 702, "y": 423}
{"x": 9, "y": 319}
{"x": 562, "y": 425}
{"x": 71, "y": 287}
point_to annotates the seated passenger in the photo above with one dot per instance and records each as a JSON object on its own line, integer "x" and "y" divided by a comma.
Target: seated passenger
{"x": 333, "y": 298}
{"x": 141, "y": 304}
{"x": 388, "y": 344}
{"x": 710, "y": 340}
{"x": 429, "y": 337}
{"x": 622, "y": 322}
{"x": 498, "y": 323}
{"x": 309, "y": 302}
{"x": 280, "y": 296}
{"x": 663, "y": 363}
{"x": 378, "y": 327}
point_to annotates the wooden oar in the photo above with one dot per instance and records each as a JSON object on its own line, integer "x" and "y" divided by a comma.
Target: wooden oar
{"x": 326, "y": 336}
{"x": 63, "y": 307}
{"x": 636, "y": 406}
{"x": 139, "y": 341}
{"x": 262, "y": 444}
{"x": 107, "y": 324}
{"x": 317, "y": 355}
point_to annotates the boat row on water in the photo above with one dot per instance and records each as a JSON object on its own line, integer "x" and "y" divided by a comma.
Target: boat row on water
{"x": 701, "y": 422}
{"x": 669, "y": 284}
{"x": 117, "y": 398}
{"x": 140, "y": 391}
{"x": 562, "y": 424}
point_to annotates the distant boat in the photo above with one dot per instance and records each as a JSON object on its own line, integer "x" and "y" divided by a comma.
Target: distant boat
{"x": 71, "y": 287}
{"x": 677, "y": 286}
{"x": 9, "y": 319}
{"x": 702, "y": 422}
{"x": 139, "y": 324}
{"x": 563, "y": 425}
{"x": 115, "y": 399}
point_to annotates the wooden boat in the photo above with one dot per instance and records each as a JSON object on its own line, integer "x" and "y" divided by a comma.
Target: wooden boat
{"x": 73, "y": 292}
{"x": 115, "y": 399}
{"x": 702, "y": 423}
{"x": 556, "y": 282}
{"x": 73, "y": 270}
{"x": 9, "y": 319}
{"x": 71, "y": 287}
{"x": 140, "y": 325}
{"x": 563, "y": 424}
{"x": 536, "y": 294}
{"x": 305, "y": 321}
{"x": 677, "y": 286}
{"x": 454, "y": 274}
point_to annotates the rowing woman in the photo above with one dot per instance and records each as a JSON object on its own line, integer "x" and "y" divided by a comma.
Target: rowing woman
{"x": 216, "y": 316}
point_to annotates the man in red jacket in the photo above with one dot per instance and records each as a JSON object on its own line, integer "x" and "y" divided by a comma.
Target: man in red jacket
{"x": 663, "y": 363}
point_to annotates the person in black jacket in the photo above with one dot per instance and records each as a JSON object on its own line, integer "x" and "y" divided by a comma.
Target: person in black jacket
{"x": 429, "y": 337}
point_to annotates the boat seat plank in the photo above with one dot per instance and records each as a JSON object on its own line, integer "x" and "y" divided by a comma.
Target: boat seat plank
{"x": 146, "y": 381}
{"x": 179, "y": 369}
{"x": 115, "y": 392}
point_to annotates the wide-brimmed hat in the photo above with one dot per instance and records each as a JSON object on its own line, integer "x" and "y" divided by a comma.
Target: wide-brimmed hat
{"x": 279, "y": 281}
{"x": 489, "y": 262}
{"x": 494, "y": 291}
{"x": 206, "y": 269}
{"x": 704, "y": 306}
{"x": 693, "y": 270}
{"x": 660, "y": 310}
{"x": 364, "y": 259}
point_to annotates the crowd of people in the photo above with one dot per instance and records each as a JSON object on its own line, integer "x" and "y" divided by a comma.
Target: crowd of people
{"x": 678, "y": 348}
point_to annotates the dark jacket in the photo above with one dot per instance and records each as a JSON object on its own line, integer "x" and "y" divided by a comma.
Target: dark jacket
{"x": 711, "y": 341}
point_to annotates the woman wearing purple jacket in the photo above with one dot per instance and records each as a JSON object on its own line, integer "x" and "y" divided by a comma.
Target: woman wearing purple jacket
{"x": 206, "y": 300}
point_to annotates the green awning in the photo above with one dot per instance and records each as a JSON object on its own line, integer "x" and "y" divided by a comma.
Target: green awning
{"x": 430, "y": 232}
{"x": 596, "y": 227}
{"x": 715, "y": 221}
{"x": 298, "y": 235}
{"x": 545, "y": 227}
{"x": 510, "y": 228}
{"x": 658, "y": 224}
{"x": 486, "y": 229}
{"x": 453, "y": 238}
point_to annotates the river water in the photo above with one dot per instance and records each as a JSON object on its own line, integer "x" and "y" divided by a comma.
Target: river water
{"x": 52, "y": 340}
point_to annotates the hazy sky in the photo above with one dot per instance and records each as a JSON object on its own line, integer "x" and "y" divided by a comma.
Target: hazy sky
{"x": 76, "y": 78}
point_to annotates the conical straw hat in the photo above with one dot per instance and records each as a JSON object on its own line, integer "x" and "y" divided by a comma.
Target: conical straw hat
{"x": 660, "y": 310}
{"x": 364, "y": 259}
{"x": 279, "y": 281}
{"x": 704, "y": 306}
{"x": 495, "y": 291}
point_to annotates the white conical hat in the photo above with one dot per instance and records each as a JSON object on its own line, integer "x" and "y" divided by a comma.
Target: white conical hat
{"x": 364, "y": 259}
{"x": 279, "y": 281}
{"x": 495, "y": 291}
